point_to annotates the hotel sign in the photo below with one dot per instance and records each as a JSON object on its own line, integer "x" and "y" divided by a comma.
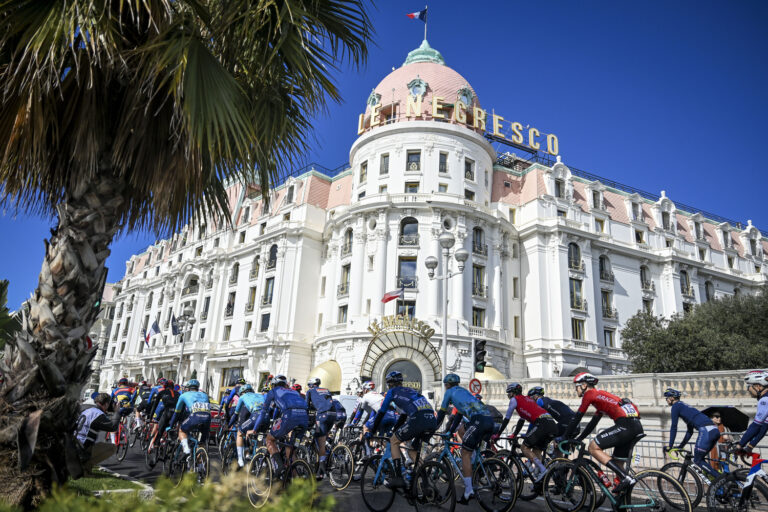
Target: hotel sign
{"x": 480, "y": 119}
{"x": 401, "y": 323}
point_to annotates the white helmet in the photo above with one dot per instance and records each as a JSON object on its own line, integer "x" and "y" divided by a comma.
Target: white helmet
{"x": 313, "y": 382}
{"x": 369, "y": 386}
{"x": 757, "y": 377}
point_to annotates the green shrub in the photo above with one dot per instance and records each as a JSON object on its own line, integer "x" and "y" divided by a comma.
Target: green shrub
{"x": 227, "y": 495}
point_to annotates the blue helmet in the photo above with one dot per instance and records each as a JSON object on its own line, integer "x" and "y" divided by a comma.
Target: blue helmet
{"x": 246, "y": 388}
{"x": 394, "y": 377}
{"x": 193, "y": 383}
{"x": 451, "y": 378}
{"x": 515, "y": 388}
{"x": 536, "y": 391}
{"x": 672, "y": 393}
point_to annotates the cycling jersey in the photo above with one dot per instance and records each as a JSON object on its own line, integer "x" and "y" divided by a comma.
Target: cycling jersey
{"x": 122, "y": 396}
{"x": 341, "y": 413}
{"x": 249, "y": 404}
{"x": 370, "y": 404}
{"x": 193, "y": 402}
{"x": 693, "y": 418}
{"x": 289, "y": 409}
{"x": 406, "y": 401}
{"x": 319, "y": 399}
{"x": 152, "y": 394}
{"x": 526, "y": 407}
{"x": 561, "y": 413}
{"x": 759, "y": 427}
{"x": 465, "y": 403}
{"x": 607, "y": 403}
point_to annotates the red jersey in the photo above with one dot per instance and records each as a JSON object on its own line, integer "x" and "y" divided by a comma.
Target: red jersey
{"x": 608, "y": 404}
{"x": 526, "y": 407}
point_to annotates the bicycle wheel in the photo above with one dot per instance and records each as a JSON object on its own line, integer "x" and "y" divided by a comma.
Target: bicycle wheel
{"x": 150, "y": 458}
{"x": 726, "y": 494}
{"x": 688, "y": 478}
{"x": 201, "y": 465}
{"x": 145, "y": 437}
{"x": 259, "y": 483}
{"x": 526, "y": 480}
{"x": 122, "y": 445}
{"x": 340, "y": 466}
{"x": 133, "y": 435}
{"x": 299, "y": 469}
{"x": 432, "y": 487}
{"x": 568, "y": 488}
{"x": 599, "y": 495}
{"x": 177, "y": 466}
{"x": 656, "y": 491}
{"x": 494, "y": 486}
{"x": 228, "y": 456}
{"x": 376, "y": 494}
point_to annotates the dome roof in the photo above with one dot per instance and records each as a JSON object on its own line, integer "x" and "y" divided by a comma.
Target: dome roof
{"x": 424, "y": 72}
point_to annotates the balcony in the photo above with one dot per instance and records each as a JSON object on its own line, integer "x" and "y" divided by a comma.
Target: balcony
{"x": 253, "y": 274}
{"x": 579, "y": 304}
{"x": 160, "y": 301}
{"x": 648, "y": 286}
{"x": 148, "y": 306}
{"x": 249, "y": 307}
{"x": 229, "y": 311}
{"x": 686, "y": 290}
{"x": 481, "y": 332}
{"x": 233, "y": 278}
{"x": 610, "y": 313}
{"x": 130, "y": 307}
{"x": 203, "y": 317}
{"x": 607, "y": 276}
{"x": 209, "y": 284}
{"x": 576, "y": 265}
{"x": 266, "y": 300}
{"x": 480, "y": 248}
{"x": 189, "y": 290}
{"x": 408, "y": 240}
{"x": 125, "y": 332}
{"x": 407, "y": 282}
{"x": 469, "y": 175}
{"x": 342, "y": 290}
{"x": 346, "y": 249}
{"x": 479, "y": 290}
{"x": 271, "y": 264}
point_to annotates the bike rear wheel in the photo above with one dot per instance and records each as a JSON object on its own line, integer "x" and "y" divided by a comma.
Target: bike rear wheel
{"x": 145, "y": 436}
{"x": 688, "y": 478}
{"x": 133, "y": 434}
{"x": 177, "y": 466}
{"x": 377, "y": 496}
{"x": 122, "y": 445}
{"x": 568, "y": 488}
{"x": 340, "y": 467}
{"x": 150, "y": 457}
{"x": 432, "y": 487}
{"x": 259, "y": 485}
{"x": 299, "y": 469}
{"x": 201, "y": 465}
{"x": 726, "y": 494}
{"x": 656, "y": 491}
{"x": 494, "y": 485}
{"x": 228, "y": 456}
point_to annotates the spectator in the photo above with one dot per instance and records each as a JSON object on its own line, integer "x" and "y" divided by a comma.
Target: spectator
{"x": 715, "y": 453}
{"x": 93, "y": 419}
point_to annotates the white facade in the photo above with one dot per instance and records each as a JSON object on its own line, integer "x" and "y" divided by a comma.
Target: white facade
{"x": 554, "y": 270}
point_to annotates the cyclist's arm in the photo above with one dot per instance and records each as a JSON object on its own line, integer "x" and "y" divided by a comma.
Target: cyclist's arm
{"x": 382, "y": 411}
{"x": 590, "y": 426}
{"x": 686, "y": 437}
{"x": 510, "y": 409}
{"x": 754, "y": 434}
{"x": 453, "y": 422}
{"x": 180, "y": 406}
{"x": 673, "y": 426}
{"x": 134, "y": 395}
{"x": 518, "y": 427}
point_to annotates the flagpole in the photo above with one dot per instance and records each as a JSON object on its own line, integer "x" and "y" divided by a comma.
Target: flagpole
{"x": 425, "y": 22}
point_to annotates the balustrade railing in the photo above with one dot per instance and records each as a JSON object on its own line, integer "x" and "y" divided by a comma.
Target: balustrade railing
{"x": 479, "y": 290}
{"x": 576, "y": 264}
{"x": 271, "y": 264}
{"x": 253, "y": 273}
{"x": 607, "y": 276}
{"x": 610, "y": 313}
{"x": 346, "y": 249}
{"x": 579, "y": 304}
{"x": 266, "y": 300}
{"x": 408, "y": 240}
{"x": 342, "y": 290}
{"x": 648, "y": 286}
{"x": 229, "y": 311}
{"x": 407, "y": 281}
{"x": 189, "y": 290}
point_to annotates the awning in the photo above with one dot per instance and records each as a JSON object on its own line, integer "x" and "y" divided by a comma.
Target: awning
{"x": 490, "y": 373}
{"x": 329, "y": 374}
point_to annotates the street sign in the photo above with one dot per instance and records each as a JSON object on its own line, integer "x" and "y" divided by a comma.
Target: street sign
{"x": 475, "y": 386}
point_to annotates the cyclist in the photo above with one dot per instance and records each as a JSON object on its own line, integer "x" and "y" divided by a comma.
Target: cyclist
{"x": 478, "y": 429}
{"x": 708, "y": 432}
{"x": 122, "y": 395}
{"x": 163, "y": 407}
{"x": 626, "y": 427}
{"x": 291, "y": 415}
{"x": 228, "y": 403}
{"x": 297, "y": 388}
{"x": 416, "y": 417}
{"x": 198, "y": 406}
{"x": 154, "y": 391}
{"x": 757, "y": 385}
{"x": 370, "y": 404}
{"x": 142, "y": 393}
{"x": 321, "y": 401}
{"x": 248, "y": 408}
{"x": 341, "y": 416}
{"x": 542, "y": 430}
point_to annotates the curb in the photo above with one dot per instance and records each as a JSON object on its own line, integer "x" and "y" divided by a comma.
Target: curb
{"x": 146, "y": 492}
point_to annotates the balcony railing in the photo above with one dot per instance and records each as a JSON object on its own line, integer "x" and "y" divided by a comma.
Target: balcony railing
{"x": 442, "y": 168}
{"x": 209, "y": 284}
{"x": 648, "y": 286}
{"x": 266, "y": 300}
{"x": 229, "y": 311}
{"x": 576, "y": 265}
{"x": 469, "y": 175}
{"x": 408, "y": 240}
{"x": 481, "y": 332}
{"x": 148, "y": 305}
{"x": 253, "y": 274}
{"x": 130, "y": 307}
{"x": 160, "y": 300}
{"x": 686, "y": 290}
{"x": 346, "y": 249}
{"x": 271, "y": 264}
{"x": 125, "y": 332}
{"x": 407, "y": 281}
{"x": 607, "y": 276}
{"x": 249, "y": 307}
{"x": 233, "y": 278}
{"x": 610, "y": 313}
{"x": 189, "y": 290}
{"x": 479, "y": 290}
{"x": 342, "y": 290}
{"x": 579, "y": 304}
{"x": 203, "y": 315}
{"x": 480, "y": 248}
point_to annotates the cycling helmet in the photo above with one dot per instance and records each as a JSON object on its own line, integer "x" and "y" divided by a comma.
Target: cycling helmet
{"x": 193, "y": 383}
{"x": 168, "y": 384}
{"x": 161, "y": 381}
{"x": 122, "y": 382}
{"x": 368, "y": 386}
{"x": 143, "y": 383}
{"x": 515, "y": 388}
{"x": 672, "y": 393}
{"x": 757, "y": 377}
{"x": 247, "y": 388}
{"x": 296, "y": 387}
{"x": 313, "y": 382}
{"x": 585, "y": 378}
{"x": 536, "y": 391}
{"x": 241, "y": 381}
{"x": 451, "y": 378}
{"x": 280, "y": 380}
{"x": 394, "y": 377}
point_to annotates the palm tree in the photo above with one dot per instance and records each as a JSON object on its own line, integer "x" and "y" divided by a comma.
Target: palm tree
{"x": 120, "y": 115}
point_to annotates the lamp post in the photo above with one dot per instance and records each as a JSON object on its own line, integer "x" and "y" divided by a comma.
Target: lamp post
{"x": 186, "y": 321}
{"x": 446, "y": 240}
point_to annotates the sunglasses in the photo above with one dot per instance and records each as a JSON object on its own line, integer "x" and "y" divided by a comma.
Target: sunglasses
{"x": 716, "y": 416}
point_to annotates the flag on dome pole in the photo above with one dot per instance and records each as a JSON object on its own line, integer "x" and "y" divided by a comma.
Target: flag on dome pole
{"x": 420, "y": 15}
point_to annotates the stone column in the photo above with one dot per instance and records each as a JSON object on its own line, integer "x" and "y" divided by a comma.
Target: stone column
{"x": 380, "y": 270}
{"x": 496, "y": 296}
{"x": 356, "y": 277}
{"x": 458, "y": 290}
{"x": 434, "y": 287}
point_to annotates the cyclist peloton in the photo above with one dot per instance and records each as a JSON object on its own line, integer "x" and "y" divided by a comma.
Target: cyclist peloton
{"x": 246, "y": 411}
{"x": 416, "y": 417}
{"x": 626, "y": 427}
{"x": 478, "y": 429}
{"x": 561, "y": 413}
{"x": 142, "y": 392}
{"x": 161, "y": 408}
{"x": 757, "y": 385}
{"x": 542, "y": 430}
{"x": 290, "y": 413}
{"x": 693, "y": 418}
{"x": 321, "y": 401}
{"x": 198, "y": 406}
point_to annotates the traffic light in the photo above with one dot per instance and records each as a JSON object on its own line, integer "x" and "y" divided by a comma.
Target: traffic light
{"x": 480, "y": 353}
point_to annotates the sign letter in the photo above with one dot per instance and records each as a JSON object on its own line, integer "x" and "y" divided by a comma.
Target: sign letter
{"x": 553, "y": 147}
{"x": 497, "y": 126}
{"x": 437, "y": 103}
{"x": 479, "y": 118}
{"x": 459, "y": 112}
{"x": 517, "y": 133}
{"x": 532, "y": 134}
{"x": 361, "y": 124}
{"x": 375, "y": 115}
{"x": 415, "y": 104}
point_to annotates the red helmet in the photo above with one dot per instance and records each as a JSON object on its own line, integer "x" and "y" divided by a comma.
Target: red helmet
{"x": 585, "y": 378}
{"x": 143, "y": 383}
{"x": 296, "y": 387}
{"x": 168, "y": 383}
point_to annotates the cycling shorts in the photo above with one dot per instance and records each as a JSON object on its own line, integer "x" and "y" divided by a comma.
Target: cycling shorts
{"x": 706, "y": 440}
{"x": 292, "y": 419}
{"x": 250, "y": 423}
{"x": 341, "y": 419}
{"x": 197, "y": 421}
{"x": 325, "y": 421}
{"x": 420, "y": 422}
{"x": 386, "y": 423}
{"x": 479, "y": 428}
{"x": 164, "y": 419}
{"x": 620, "y": 436}
{"x": 243, "y": 416}
{"x": 541, "y": 432}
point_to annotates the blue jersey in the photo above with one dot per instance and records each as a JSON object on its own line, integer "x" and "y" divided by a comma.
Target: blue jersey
{"x": 560, "y": 412}
{"x": 465, "y": 402}
{"x": 123, "y": 396}
{"x": 252, "y": 402}
{"x": 759, "y": 427}
{"x": 406, "y": 401}
{"x": 279, "y": 400}
{"x": 227, "y": 399}
{"x": 693, "y": 418}
{"x": 340, "y": 410}
{"x": 194, "y": 402}
{"x": 155, "y": 390}
{"x": 320, "y": 399}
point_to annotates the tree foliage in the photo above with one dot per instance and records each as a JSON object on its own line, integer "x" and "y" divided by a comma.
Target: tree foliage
{"x": 723, "y": 334}
{"x": 9, "y": 323}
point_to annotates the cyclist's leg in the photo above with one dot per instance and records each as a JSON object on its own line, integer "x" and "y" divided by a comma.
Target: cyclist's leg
{"x": 539, "y": 435}
{"x": 480, "y": 427}
{"x": 706, "y": 440}
{"x": 619, "y": 437}
{"x": 242, "y": 431}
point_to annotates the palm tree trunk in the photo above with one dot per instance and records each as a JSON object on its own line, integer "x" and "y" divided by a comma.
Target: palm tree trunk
{"x": 47, "y": 364}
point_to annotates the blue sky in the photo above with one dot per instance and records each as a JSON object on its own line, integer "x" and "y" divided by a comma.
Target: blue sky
{"x": 656, "y": 95}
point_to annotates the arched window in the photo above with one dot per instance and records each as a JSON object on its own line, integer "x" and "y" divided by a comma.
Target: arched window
{"x": 272, "y": 261}
{"x": 685, "y": 283}
{"x": 709, "y": 290}
{"x": 255, "y": 267}
{"x": 149, "y": 300}
{"x": 606, "y": 274}
{"x": 234, "y": 273}
{"x": 409, "y": 231}
{"x": 346, "y": 247}
{"x": 574, "y": 257}
{"x": 645, "y": 278}
{"x": 478, "y": 241}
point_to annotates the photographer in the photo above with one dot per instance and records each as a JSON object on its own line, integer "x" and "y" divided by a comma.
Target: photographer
{"x": 93, "y": 419}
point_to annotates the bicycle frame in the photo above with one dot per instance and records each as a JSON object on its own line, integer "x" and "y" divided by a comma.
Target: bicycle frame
{"x": 755, "y": 471}
{"x": 688, "y": 462}
{"x": 583, "y": 463}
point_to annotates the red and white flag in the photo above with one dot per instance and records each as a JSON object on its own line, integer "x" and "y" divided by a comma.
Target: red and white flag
{"x": 393, "y": 295}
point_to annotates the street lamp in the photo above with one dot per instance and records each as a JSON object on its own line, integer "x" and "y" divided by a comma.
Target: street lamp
{"x": 446, "y": 240}
{"x": 186, "y": 321}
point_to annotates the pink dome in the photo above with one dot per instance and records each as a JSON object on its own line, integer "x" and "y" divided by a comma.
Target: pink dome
{"x": 423, "y": 65}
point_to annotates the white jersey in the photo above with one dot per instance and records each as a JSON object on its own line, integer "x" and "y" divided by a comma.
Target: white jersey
{"x": 371, "y": 402}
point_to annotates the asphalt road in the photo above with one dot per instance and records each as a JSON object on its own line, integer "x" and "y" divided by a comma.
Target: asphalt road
{"x": 348, "y": 499}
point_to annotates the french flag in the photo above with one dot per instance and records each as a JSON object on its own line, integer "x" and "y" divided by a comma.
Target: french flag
{"x": 421, "y": 15}
{"x": 389, "y": 296}
{"x": 155, "y": 329}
